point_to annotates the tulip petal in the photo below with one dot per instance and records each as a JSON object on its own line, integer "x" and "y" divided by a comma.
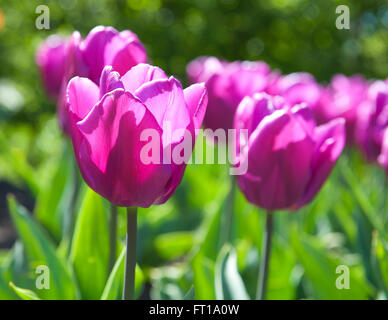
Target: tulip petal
{"x": 220, "y": 98}
{"x": 202, "y": 68}
{"x": 130, "y": 54}
{"x": 330, "y": 143}
{"x": 252, "y": 110}
{"x": 196, "y": 100}
{"x": 110, "y": 153}
{"x": 305, "y": 117}
{"x": 51, "y": 58}
{"x": 109, "y": 81}
{"x": 164, "y": 98}
{"x": 93, "y": 49}
{"x": 82, "y": 95}
{"x": 249, "y": 114}
{"x": 279, "y": 160}
{"x": 140, "y": 74}
{"x": 246, "y": 80}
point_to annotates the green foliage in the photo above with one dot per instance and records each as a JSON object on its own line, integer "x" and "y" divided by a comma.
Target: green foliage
{"x": 320, "y": 267}
{"x": 40, "y": 251}
{"x": 228, "y": 282}
{"x": 90, "y": 247}
{"x": 5, "y": 292}
{"x": 24, "y": 294}
{"x": 114, "y": 286}
{"x": 193, "y": 259}
{"x": 173, "y": 244}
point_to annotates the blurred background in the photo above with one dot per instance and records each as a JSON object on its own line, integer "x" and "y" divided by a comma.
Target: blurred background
{"x": 290, "y": 35}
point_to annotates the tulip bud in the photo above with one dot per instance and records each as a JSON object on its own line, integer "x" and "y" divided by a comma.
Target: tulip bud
{"x": 109, "y": 127}
{"x": 288, "y": 156}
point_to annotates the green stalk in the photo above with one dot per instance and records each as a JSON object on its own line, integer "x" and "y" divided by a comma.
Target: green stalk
{"x": 227, "y": 217}
{"x": 130, "y": 259}
{"x": 70, "y": 221}
{"x": 265, "y": 256}
{"x": 112, "y": 237}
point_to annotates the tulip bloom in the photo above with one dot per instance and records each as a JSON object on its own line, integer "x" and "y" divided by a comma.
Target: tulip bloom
{"x": 372, "y": 120}
{"x": 50, "y": 58}
{"x": 107, "y": 122}
{"x": 227, "y": 83}
{"x": 344, "y": 98}
{"x": 289, "y": 157}
{"x": 296, "y": 88}
{"x": 87, "y": 58}
{"x": 104, "y": 46}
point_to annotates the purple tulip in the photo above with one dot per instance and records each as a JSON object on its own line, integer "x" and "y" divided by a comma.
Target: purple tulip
{"x": 288, "y": 157}
{"x": 372, "y": 120}
{"x": 107, "y": 123}
{"x": 87, "y": 58}
{"x": 227, "y": 84}
{"x": 344, "y": 98}
{"x": 50, "y": 58}
{"x": 296, "y": 88}
{"x": 106, "y": 46}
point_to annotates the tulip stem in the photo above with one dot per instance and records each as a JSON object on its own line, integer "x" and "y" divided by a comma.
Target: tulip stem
{"x": 112, "y": 237}
{"x": 70, "y": 221}
{"x": 265, "y": 256}
{"x": 130, "y": 259}
{"x": 227, "y": 217}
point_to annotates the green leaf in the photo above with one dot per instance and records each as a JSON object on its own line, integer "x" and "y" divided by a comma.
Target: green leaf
{"x": 169, "y": 282}
{"x": 19, "y": 164}
{"x": 228, "y": 282}
{"x": 40, "y": 251}
{"x": 16, "y": 267}
{"x": 361, "y": 197}
{"x": 113, "y": 288}
{"x": 203, "y": 272}
{"x": 52, "y": 201}
{"x": 24, "y": 294}
{"x": 380, "y": 259}
{"x": 190, "y": 295}
{"x": 209, "y": 234}
{"x": 320, "y": 267}
{"x": 207, "y": 248}
{"x": 282, "y": 263}
{"x": 174, "y": 244}
{"x": 5, "y": 291}
{"x": 90, "y": 247}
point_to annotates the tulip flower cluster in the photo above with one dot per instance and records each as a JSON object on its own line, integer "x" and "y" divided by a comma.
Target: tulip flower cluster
{"x": 108, "y": 97}
{"x": 227, "y": 84}
{"x": 297, "y": 130}
{"x": 246, "y": 94}
{"x": 361, "y": 103}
